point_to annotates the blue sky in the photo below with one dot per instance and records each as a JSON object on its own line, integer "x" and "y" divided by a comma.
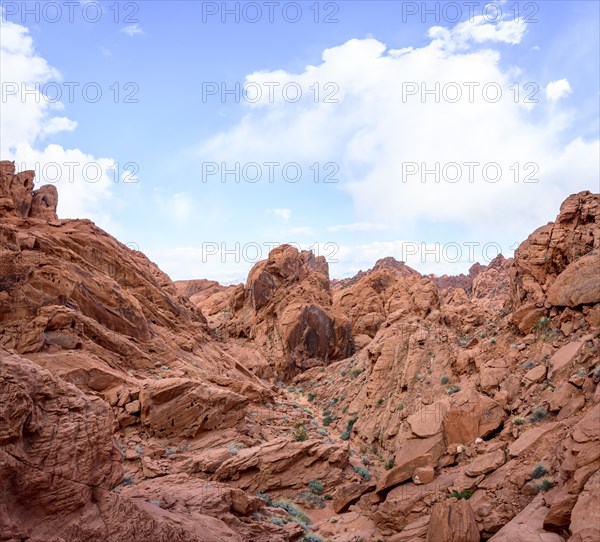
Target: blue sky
{"x": 363, "y": 121}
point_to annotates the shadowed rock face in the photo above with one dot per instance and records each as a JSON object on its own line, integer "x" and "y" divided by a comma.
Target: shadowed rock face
{"x": 285, "y": 308}
{"x": 127, "y": 415}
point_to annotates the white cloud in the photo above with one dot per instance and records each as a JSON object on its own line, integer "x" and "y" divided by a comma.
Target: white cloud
{"x": 386, "y": 123}
{"x": 478, "y": 30}
{"x": 133, "y": 30}
{"x": 359, "y": 226}
{"x": 83, "y": 181}
{"x": 558, "y": 89}
{"x": 284, "y": 214}
{"x": 301, "y": 230}
{"x": 178, "y": 207}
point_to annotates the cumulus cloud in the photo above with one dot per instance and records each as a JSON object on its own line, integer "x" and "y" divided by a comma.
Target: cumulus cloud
{"x": 29, "y": 118}
{"x": 178, "y": 208}
{"x": 435, "y": 135}
{"x": 359, "y": 226}
{"x": 284, "y": 214}
{"x": 133, "y": 30}
{"x": 558, "y": 89}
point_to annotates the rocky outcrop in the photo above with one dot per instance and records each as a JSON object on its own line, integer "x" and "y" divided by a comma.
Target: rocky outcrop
{"x": 285, "y": 307}
{"x": 452, "y": 521}
{"x": 18, "y": 198}
{"x": 549, "y": 250}
{"x": 128, "y": 415}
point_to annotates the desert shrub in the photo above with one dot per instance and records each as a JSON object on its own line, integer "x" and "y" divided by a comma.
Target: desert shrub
{"x": 465, "y": 494}
{"x": 316, "y": 487}
{"x": 328, "y": 419}
{"x": 379, "y": 402}
{"x": 537, "y": 414}
{"x": 390, "y": 463}
{"x": 345, "y": 435}
{"x": 517, "y": 420}
{"x": 401, "y": 406}
{"x": 364, "y": 473}
{"x": 300, "y": 432}
{"x": 311, "y": 397}
{"x": 312, "y": 537}
{"x": 444, "y": 380}
{"x": 232, "y": 449}
{"x": 538, "y": 471}
{"x": 327, "y": 497}
{"x": 597, "y": 372}
{"x": 493, "y": 340}
{"x": 545, "y": 485}
{"x": 355, "y": 372}
{"x": 529, "y": 364}
{"x": 452, "y": 390}
{"x": 322, "y": 431}
{"x": 292, "y": 510}
{"x": 127, "y": 481}
{"x": 542, "y": 324}
{"x": 280, "y": 522}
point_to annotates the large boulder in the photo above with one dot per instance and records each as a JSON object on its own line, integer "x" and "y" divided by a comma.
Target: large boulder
{"x": 182, "y": 407}
{"x": 550, "y": 250}
{"x": 452, "y": 521}
{"x": 578, "y": 284}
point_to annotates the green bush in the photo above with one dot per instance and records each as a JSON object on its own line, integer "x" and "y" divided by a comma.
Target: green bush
{"x": 316, "y": 487}
{"x": 389, "y": 464}
{"x": 537, "y": 414}
{"x": 518, "y": 420}
{"x": 328, "y": 419}
{"x": 355, "y": 372}
{"x": 311, "y": 397}
{"x": 345, "y": 435}
{"x": 452, "y": 390}
{"x": 545, "y": 485}
{"x": 364, "y": 473}
{"x": 538, "y": 471}
{"x": 542, "y": 324}
{"x": 327, "y": 497}
{"x": 444, "y": 380}
{"x": 465, "y": 494}
{"x": 280, "y": 522}
{"x": 300, "y": 432}
{"x": 293, "y": 510}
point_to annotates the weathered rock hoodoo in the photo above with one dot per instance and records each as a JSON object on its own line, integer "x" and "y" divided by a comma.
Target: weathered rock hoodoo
{"x": 388, "y": 406}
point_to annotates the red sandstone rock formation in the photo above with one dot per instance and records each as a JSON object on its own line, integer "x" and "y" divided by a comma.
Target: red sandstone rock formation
{"x": 127, "y": 415}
